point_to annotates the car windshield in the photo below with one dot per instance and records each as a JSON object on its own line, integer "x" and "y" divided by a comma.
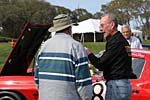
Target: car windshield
{"x": 137, "y": 66}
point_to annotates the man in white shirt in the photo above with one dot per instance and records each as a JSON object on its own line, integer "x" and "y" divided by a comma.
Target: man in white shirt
{"x": 132, "y": 40}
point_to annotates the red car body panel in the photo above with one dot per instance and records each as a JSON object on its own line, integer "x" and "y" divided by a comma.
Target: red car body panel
{"x": 20, "y": 84}
{"x": 16, "y": 78}
{"x": 141, "y": 85}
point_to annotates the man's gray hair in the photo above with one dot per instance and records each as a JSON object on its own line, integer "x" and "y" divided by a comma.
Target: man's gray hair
{"x": 112, "y": 17}
{"x": 126, "y": 26}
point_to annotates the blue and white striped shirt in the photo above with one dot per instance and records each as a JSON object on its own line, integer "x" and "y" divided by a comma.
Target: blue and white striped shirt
{"x": 63, "y": 70}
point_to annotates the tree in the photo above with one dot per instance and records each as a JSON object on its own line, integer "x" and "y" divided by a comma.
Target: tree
{"x": 14, "y": 14}
{"x": 141, "y": 13}
{"x": 121, "y": 9}
{"x": 97, "y": 15}
{"x": 82, "y": 14}
{"x": 131, "y": 10}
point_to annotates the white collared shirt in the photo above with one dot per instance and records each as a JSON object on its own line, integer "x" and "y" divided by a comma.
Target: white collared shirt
{"x": 134, "y": 42}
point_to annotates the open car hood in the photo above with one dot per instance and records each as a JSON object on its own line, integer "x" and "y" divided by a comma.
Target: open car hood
{"x": 25, "y": 49}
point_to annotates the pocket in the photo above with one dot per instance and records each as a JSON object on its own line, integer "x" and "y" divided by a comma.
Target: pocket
{"x": 109, "y": 92}
{"x": 123, "y": 89}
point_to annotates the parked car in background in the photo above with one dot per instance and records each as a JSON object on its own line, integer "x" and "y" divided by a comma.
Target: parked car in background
{"x": 140, "y": 85}
{"x": 16, "y": 78}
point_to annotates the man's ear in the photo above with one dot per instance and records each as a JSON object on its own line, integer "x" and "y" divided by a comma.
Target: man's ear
{"x": 112, "y": 25}
{"x": 68, "y": 30}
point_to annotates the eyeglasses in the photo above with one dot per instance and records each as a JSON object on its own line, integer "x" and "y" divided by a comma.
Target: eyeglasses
{"x": 102, "y": 25}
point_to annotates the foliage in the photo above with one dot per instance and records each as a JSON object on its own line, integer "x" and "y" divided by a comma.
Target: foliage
{"x": 62, "y": 10}
{"x": 15, "y": 13}
{"x": 127, "y": 10}
{"x": 82, "y": 14}
{"x": 97, "y": 15}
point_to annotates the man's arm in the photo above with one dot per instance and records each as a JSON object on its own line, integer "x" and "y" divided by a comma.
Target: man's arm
{"x": 107, "y": 58}
{"x": 82, "y": 73}
{"x": 139, "y": 44}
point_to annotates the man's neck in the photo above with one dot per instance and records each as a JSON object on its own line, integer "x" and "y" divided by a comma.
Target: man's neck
{"x": 114, "y": 32}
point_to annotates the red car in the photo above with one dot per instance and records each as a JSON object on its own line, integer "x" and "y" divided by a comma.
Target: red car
{"x": 140, "y": 86}
{"x": 16, "y": 79}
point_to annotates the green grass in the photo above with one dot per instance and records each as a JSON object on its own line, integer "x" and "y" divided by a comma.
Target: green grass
{"x": 5, "y": 49}
{"x": 95, "y": 47}
{"x": 146, "y": 42}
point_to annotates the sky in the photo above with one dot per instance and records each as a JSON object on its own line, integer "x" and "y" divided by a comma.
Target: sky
{"x": 91, "y": 6}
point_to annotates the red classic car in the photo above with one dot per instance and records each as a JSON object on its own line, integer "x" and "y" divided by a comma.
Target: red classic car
{"x": 16, "y": 79}
{"x": 140, "y": 86}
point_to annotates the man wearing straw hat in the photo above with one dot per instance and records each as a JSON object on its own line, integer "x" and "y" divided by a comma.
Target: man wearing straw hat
{"x": 63, "y": 65}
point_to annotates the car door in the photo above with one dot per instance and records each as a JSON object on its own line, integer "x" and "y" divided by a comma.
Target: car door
{"x": 146, "y": 80}
{"x": 138, "y": 65}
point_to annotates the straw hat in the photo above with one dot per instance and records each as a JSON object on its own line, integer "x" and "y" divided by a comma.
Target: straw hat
{"x": 60, "y": 22}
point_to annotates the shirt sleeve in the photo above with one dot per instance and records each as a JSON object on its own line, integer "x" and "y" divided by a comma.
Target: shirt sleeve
{"x": 107, "y": 58}
{"x": 139, "y": 44}
{"x": 82, "y": 73}
{"x": 36, "y": 74}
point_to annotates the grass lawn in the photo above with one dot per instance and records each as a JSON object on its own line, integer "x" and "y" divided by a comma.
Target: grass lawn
{"x": 95, "y": 47}
{"x": 5, "y": 49}
{"x": 146, "y": 42}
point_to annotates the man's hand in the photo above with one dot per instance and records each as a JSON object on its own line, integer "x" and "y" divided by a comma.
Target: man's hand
{"x": 87, "y": 50}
